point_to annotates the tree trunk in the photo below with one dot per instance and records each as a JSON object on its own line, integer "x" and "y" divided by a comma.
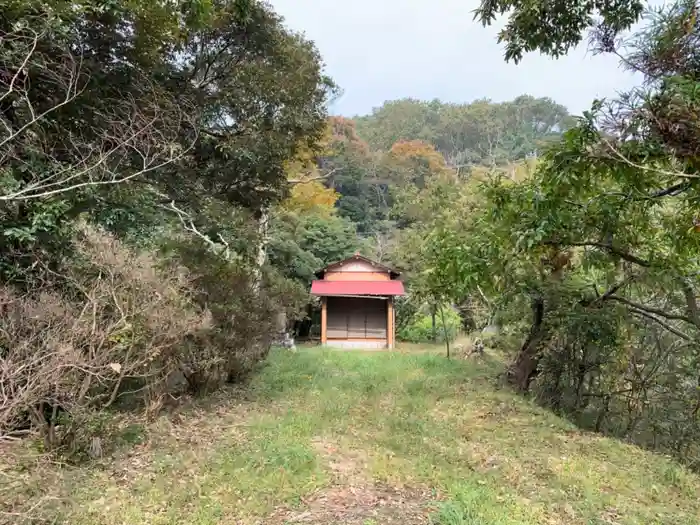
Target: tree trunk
{"x": 444, "y": 330}
{"x": 263, "y": 239}
{"x": 282, "y": 337}
{"x": 602, "y": 414}
{"x": 432, "y": 317}
{"x": 524, "y": 368}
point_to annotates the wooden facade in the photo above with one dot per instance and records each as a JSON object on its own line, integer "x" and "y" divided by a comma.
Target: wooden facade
{"x": 357, "y": 303}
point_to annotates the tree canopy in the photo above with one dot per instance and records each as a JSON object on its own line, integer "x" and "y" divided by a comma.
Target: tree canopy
{"x": 142, "y": 143}
{"x": 554, "y": 28}
{"x": 481, "y": 132}
{"x": 598, "y": 241}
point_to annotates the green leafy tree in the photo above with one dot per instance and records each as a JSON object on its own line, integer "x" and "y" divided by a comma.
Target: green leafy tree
{"x": 400, "y": 120}
{"x": 171, "y": 102}
{"x": 615, "y": 195}
{"x": 302, "y": 244}
{"x": 262, "y": 92}
{"x": 600, "y": 244}
{"x": 83, "y": 108}
{"x": 556, "y": 27}
{"x": 172, "y": 124}
{"x": 356, "y": 174}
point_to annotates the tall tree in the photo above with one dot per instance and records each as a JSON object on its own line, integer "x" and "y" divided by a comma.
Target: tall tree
{"x": 83, "y": 107}
{"x": 603, "y": 197}
{"x": 600, "y": 245}
{"x": 397, "y": 120}
{"x": 182, "y": 104}
{"x": 263, "y": 94}
{"x": 356, "y": 174}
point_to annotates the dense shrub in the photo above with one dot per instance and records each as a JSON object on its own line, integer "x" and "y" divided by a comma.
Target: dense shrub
{"x": 406, "y": 308}
{"x": 624, "y": 376}
{"x": 105, "y": 325}
{"x": 243, "y": 315}
{"x": 111, "y": 327}
{"x": 420, "y": 327}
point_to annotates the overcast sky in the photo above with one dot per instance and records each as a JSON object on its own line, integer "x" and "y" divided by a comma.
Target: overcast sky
{"x": 379, "y": 50}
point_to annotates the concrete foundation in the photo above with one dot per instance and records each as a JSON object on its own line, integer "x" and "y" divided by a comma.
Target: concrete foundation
{"x": 376, "y": 345}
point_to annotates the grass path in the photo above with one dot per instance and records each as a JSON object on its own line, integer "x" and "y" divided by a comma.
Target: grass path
{"x": 362, "y": 438}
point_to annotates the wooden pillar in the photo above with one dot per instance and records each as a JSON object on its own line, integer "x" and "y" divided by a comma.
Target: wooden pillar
{"x": 390, "y": 323}
{"x": 324, "y": 320}
{"x": 393, "y": 323}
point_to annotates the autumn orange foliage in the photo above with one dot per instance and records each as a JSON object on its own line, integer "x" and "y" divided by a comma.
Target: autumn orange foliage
{"x": 312, "y": 197}
{"x": 407, "y": 151}
{"x": 308, "y": 195}
{"x": 344, "y": 134}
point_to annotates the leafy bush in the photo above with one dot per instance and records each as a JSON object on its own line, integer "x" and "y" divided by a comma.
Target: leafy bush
{"x": 243, "y": 316}
{"x": 420, "y": 328}
{"x": 406, "y": 308}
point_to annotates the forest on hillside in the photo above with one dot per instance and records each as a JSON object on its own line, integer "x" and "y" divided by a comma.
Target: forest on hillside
{"x": 170, "y": 179}
{"x": 362, "y": 193}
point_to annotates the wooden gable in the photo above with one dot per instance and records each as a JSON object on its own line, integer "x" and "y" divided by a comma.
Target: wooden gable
{"x": 356, "y": 270}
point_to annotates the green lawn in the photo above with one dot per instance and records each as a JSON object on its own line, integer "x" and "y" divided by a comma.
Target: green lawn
{"x": 362, "y": 438}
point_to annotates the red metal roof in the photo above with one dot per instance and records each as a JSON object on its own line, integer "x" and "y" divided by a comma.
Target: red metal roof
{"x": 357, "y": 288}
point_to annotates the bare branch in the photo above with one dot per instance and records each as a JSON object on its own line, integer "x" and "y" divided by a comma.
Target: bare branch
{"x": 604, "y": 246}
{"x": 672, "y": 190}
{"x": 647, "y": 167}
{"x": 651, "y": 310}
{"x": 188, "y": 224}
{"x": 312, "y": 179}
{"x": 23, "y": 67}
{"x": 615, "y": 288}
{"x": 691, "y": 302}
{"x": 662, "y": 323}
{"x": 122, "y": 139}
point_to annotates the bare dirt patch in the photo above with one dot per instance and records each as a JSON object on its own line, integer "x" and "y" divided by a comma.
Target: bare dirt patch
{"x": 354, "y": 498}
{"x": 348, "y": 465}
{"x": 361, "y": 505}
